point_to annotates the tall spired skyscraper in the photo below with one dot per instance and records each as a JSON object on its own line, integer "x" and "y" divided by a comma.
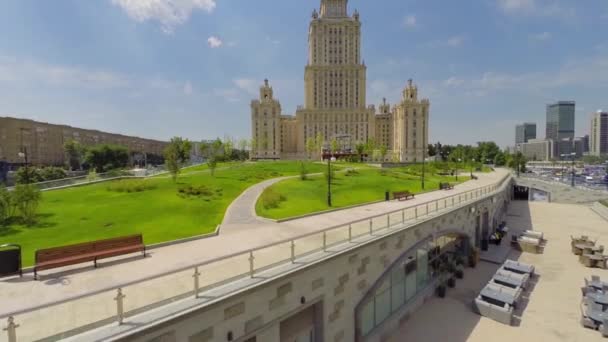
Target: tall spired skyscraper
{"x": 335, "y": 111}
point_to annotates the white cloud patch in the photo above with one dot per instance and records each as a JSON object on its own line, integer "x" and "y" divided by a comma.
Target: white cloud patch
{"x": 214, "y": 42}
{"x": 543, "y": 36}
{"x": 273, "y": 41}
{"x": 546, "y": 8}
{"x": 248, "y": 85}
{"x": 169, "y": 13}
{"x": 410, "y": 21}
{"x": 456, "y": 41}
{"x": 188, "y": 88}
{"x": 453, "y": 82}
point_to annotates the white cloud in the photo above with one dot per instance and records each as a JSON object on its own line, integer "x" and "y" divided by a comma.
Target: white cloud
{"x": 273, "y": 41}
{"x": 188, "y": 88}
{"x": 248, "y": 85}
{"x": 546, "y": 8}
{"x": 214, "y": 42}
{"x": 169, "y": 13}
{"x": 512, "y": 6}
{"x": 543, "y": 36}
{"x": 410, "y": 21}
{"x": 455, "y": 41}
{"x": 453, "y": 82}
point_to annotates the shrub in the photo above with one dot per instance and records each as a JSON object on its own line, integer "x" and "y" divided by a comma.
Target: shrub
{"x": 117, "y": 173}
{"x": 27, "y": 175}
{"x": 351, "y": 172}
{"x": 196, "y": 191}
{"x": 52, "y": 173}
{"x": 92, "y": 176}
{"x": 272, "y": 199}
{"x": 5, "y": 205}
{"x": 131, "y": 185}
{"x": 26, "y": 199}
{"x": 303, "y": 171}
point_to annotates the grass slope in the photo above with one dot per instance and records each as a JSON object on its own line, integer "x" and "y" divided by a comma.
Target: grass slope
{"x": 94, "y": 212}
{"x": 364, "y": 186}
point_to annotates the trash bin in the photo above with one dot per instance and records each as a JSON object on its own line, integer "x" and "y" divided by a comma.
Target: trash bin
{"x": 10, "y": 260}
{"x": 387, "y": 196}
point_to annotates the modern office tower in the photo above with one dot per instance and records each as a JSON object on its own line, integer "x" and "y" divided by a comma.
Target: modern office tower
{"x": 598, "y": 140}
{"x": 525, "y": 132}
{"x": 560, "y": 120}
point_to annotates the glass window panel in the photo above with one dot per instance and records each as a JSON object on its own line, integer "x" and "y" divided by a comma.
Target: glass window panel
{"x": 410, "y": 285}
{"x": 398, "y": 295}
{"x": 367, "y": 317}
{"x": 422, "y": 268}
{"x": 386, "y": 283}
{"x": 383, "y": 306}
{"x": 397, "y": 274}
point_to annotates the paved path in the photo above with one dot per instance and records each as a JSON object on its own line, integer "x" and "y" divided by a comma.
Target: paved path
{"x": 243, "y": 235}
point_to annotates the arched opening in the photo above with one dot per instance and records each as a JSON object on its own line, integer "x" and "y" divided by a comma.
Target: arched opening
{"x": 412, "y": 275}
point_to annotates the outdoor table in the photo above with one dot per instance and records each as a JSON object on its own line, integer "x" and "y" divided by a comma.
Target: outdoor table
{"x": 513, "y": 266}
{"x": 588, "y": 260}
{"x": 598, "y": 316}
{"x": 598, "y": 297}
{"x": 491, "y": 293}
{"x": 579, "y": 247}
{"x": 507, "y": 281}
{"x": 599, "y": 285}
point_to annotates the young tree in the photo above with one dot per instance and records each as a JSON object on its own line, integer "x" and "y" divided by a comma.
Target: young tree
{"x": 107, "y": 157}
{"x": 310, "y": 147}
{"x": 319, "y": 142}
{"x": 360, "y": 151}
{"x": 303, "y": 171}
{"x": 212, "y": 164}
{"x": 384, "y": 151}
{"x": 74, "y": 152}
{"x": 26, "y": 199}
{"x": 176, "y": 154}
{"x": 335, "y": 146}
{"x": 5, "y": 205}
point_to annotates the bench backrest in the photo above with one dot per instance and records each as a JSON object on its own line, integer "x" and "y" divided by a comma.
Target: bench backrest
{"x": 50, "y": 254}
{"x": 120, "y": 242}
{"x": 56, "y": 253}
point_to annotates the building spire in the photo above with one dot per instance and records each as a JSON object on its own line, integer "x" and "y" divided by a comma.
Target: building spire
{"x": 334, "y": 8}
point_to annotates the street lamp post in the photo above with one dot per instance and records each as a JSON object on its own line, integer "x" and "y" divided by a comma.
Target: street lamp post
{"x": 457, "y": 165}
{"x": 472, "y": 165}
{"x": 423, "y": 163}
{"x": 23, "y": 154}
{"x": 329, "y": 181}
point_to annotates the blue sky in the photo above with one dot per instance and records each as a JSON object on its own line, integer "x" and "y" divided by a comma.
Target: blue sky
{"x": 161, "y": 68}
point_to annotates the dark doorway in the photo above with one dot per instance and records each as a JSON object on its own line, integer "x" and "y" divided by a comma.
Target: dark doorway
{"x": 521, "y": 193}
{"x": 478, "y": 232}
{"x": 485, "y": 231}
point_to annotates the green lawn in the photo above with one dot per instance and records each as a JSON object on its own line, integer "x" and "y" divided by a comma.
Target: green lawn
{"x": 364, "y": 186}
{"x": 94, "y": 212}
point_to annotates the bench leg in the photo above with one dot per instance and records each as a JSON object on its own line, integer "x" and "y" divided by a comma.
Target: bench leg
{"x": 95, "y": 262}
{"x": 35, "y": 274}
{"x": 144, "y": 251}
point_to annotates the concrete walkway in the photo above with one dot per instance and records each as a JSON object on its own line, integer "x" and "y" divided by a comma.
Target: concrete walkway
{"x": 242, "y": 235}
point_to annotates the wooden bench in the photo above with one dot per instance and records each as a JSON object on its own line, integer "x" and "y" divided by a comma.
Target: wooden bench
{"x": 445, "y": 186}
{"x": 89, "y": 251}
{"x": 403, "y": 195}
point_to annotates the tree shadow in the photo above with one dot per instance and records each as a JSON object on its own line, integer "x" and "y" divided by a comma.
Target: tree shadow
{"x": 8, "y": 230}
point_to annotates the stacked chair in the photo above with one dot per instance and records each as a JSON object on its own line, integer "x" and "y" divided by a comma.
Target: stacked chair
{"x": 503, "y": 292}
{"x": 594, "y": 305}
{"x": 589, "y": 254}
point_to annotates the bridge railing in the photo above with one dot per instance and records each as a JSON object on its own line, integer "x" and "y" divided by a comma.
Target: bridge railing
{"x": 119, "y": 303}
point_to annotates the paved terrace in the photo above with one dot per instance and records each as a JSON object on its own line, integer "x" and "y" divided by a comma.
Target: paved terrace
{"x": 551, "y": 308}
{"x": 240, "y": 235}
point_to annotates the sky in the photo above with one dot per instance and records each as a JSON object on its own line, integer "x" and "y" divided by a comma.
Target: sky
{"x": 190, "y": 68}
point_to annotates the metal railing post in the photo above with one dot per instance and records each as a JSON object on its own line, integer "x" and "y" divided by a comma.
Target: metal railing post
{"x": 324, "y": 241}
{"x": 388, "y": 221}
{"x": 403, "y": 216}
{"x": 251, "y": 259}
{"x": 11, "y": 329}
{"x": 196, "y": 276}
{"x": 453, "y": 201}
{"x": 416, "y": 213}
{"x": 445, "y": 204}
{"x": 293, "y": 251}
{"x": 350, "y": 233}
{"x": 427, "y": 208}
{"x": 371, "y": 226}
{"x": 120, "y": 314}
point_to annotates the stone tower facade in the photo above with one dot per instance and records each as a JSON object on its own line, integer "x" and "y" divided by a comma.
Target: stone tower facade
{"x": 335, "y": 106}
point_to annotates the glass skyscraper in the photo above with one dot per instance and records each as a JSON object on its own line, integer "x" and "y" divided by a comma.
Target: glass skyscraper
{"x": 560, "y": 120}
{"x": 525, "y": 132}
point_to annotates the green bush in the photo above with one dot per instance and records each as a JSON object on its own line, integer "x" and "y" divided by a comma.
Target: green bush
{"x": 351, "y": 172}
{"x": 196, "y": 191}
{"x": 131, "y": 185}
{"x": 303, "y": 171}
{"x": 5, "y": 205}
{"x": 52, "y": 173}
{"x": 272, "y": 199}
{"x": 26, "y": 198}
